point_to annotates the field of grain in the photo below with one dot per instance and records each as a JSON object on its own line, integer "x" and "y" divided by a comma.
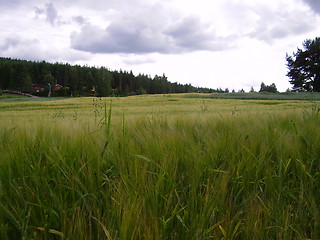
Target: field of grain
{"x": 159, "y": 167}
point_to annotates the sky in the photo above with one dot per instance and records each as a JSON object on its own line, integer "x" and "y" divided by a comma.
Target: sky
{"x": 234, "y": 44}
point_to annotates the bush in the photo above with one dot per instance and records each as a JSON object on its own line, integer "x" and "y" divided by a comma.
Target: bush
{"x": 141, "y": 91}
{"x": 62, "y": 92}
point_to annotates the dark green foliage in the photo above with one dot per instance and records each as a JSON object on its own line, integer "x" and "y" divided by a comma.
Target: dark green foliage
{"x": 268, "y": 88}
{"x": 89, "y": 80}
{"x": 48, "y": 78}
{"x": 84, "y": 81}
{"x": 23, "y": 80}
{"x": 103, "y": 83}
{"x": 304, "y": 66}
{"x": 6, "y": 76}
{"x": 61, "y": 92}
{"x": 141, "y": 91}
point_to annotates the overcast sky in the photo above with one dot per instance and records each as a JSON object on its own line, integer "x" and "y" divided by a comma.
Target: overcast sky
{"x": 209, "y": 43}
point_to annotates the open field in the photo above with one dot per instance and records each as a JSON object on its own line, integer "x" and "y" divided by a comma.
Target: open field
{"x": 159, "y": 167}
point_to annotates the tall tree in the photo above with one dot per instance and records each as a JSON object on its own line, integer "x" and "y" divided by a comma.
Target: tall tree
{"x": 104, "y": 80}
{"x": 23, "y": 80}
{"x": 89, "y": 79}
{"x": 48, "y": 79}
{"x": 6, "y": 76}
{"x": 73, "y": 80}
{"x": 268, "y": 88}
{"x": 304, "y": 66}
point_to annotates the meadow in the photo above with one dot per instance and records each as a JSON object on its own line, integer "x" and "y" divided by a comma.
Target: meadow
{"x": 159, "y": 167}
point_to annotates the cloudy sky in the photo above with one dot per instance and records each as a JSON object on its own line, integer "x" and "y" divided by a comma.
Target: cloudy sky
{"x": 209, "y": 43}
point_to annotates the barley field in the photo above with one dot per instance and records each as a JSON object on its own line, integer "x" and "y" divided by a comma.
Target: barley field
{"x": 159, "y": 167}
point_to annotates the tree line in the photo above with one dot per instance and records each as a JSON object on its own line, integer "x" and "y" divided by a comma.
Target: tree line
{"x": 63, "y": 79}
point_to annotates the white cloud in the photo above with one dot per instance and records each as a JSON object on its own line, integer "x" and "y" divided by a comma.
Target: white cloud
{"x": 267, "y": 21}
{"x": 221, "y": 43}
{"x": 282, "y": 23}
{"x": 132, "y": 59}
{"x": 33, "y": 49}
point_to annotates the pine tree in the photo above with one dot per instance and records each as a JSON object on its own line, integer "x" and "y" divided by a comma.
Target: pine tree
{"x": 304, "y": 66}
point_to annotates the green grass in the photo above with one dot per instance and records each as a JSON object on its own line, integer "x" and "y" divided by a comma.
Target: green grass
{"x": 16, "y": 98}
{"x": 9, "y": 96}
{"x": 172, "y": 168}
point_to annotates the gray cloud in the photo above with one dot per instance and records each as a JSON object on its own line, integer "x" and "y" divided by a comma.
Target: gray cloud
{"x": 9, "y": 43}
{"x": 314, "y": 4}
{"x": 191, "y": 34}
{"x": 80, "y": 20}
{"x": 9, "y": 3}
{"x": 144, "y": 36}
{"x": 49, "y": 11}
{"x": 116, "y": 39}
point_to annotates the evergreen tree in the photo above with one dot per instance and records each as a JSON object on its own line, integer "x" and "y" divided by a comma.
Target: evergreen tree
{"x": 77, "y": 80}
{"x": 73, "y": 80}
{"x": 23, "y": 80}
{"x": 48, "y": 79}
{"x": 6, "y": 76}
{"x": 304, "y": 66}
{"x": 104, "y": 80}
{"x": 265, "y": 88}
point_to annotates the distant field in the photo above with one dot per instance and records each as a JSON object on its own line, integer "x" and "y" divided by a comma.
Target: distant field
{"x": 308, "y": 96}
{"x": 159, "y": 167}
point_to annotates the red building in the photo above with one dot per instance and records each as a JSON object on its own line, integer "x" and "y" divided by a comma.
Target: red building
{"x": 57, "y": 87}
{"x": 38, "y": 87}
{"x": 41, "y": 88}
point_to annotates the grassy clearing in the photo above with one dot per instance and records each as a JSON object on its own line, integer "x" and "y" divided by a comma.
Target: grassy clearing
{"x": 8, "y": 96}
{"x": 159, "y": 168}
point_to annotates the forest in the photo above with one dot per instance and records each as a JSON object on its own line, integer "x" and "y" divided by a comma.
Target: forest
{"x": 62, "y": 79}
